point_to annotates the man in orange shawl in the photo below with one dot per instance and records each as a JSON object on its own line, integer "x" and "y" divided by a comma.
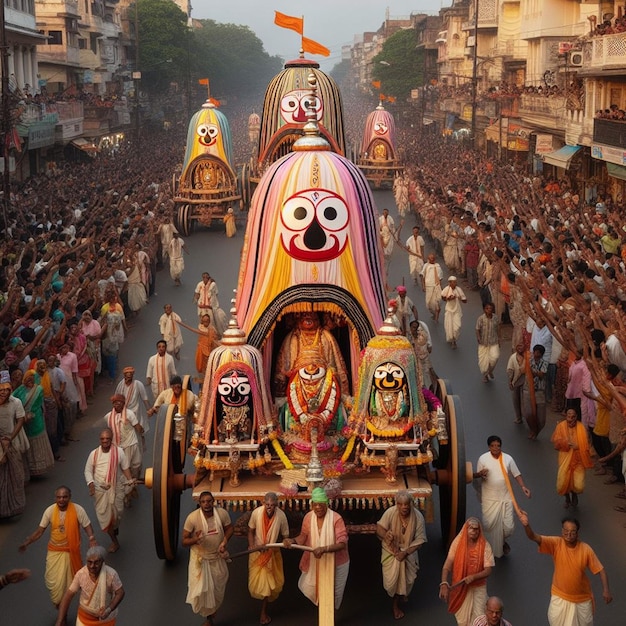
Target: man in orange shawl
{"x": 63, "y": 560}
{"x": 470, "y": 559}
{"x": 268, "y": 524}
{"x": 570, "y": 439}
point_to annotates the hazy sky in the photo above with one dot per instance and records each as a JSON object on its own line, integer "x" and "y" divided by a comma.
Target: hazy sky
{"x": 332, "y": 23}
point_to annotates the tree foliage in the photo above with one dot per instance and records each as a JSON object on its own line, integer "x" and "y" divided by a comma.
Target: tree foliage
{"x": 233, "y": 58}
{"x": 400, "y": 65}
{"x": 230, "y": 56}
{"x": 164, "y": 43}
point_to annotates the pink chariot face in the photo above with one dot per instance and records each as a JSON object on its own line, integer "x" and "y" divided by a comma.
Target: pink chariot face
{"x": 295, "y": 104}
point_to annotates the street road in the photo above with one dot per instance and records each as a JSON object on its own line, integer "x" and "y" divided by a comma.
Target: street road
{"x": 156, "y": 590}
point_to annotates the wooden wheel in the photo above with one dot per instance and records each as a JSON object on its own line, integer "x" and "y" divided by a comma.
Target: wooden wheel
{"x": 167, "y": 479}
{"x": 453, "y": 473}
{"x": 165, "y": 497}
{"x": 184, "y": 223}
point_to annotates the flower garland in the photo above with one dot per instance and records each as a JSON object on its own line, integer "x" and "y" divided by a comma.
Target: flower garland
{"x": 280, "y": 452}
{"x": 348, "y": 451}
{"x": 388, "y": 432}
{"x": 431, "y": 399}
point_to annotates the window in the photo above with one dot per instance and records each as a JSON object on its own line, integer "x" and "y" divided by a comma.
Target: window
{"x": 82, "y": 44}
{"x": 55, "y": 37}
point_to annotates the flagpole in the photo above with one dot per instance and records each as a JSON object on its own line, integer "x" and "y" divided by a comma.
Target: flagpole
{"x": 302, "y": 34}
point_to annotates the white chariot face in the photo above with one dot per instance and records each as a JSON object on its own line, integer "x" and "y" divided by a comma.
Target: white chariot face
{"x": 380, "y": 128}
{"x": 295, "y": 104}
{"x": 314, "y": 225}
{"x": 207, "y": 134}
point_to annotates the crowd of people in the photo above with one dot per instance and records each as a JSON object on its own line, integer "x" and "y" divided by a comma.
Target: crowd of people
{"x": 82, "y": 258}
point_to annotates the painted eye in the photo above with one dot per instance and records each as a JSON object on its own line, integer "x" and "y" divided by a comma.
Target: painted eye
{"x": 212, "y": 131}
{"x": 224, "y": 389}
{"x": 243, "y": 389}
{"x": 332, "y": 213}
{"x": 290, "y": 104}
{"x": 297, "y": 213}
{"x": 203, "y": 130}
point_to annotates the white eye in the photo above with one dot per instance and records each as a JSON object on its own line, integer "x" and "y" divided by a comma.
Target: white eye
{"x": 203, "y": 130}
{"x": 224, "y": 389}
{"x": 243, "y": 389}
{"x": 384, "y": 370}
{"x": 212, "y": 131}
{"x": 297, "y": 213}
{"x": 332, "y": 213}
{"x": 290, "y": 104}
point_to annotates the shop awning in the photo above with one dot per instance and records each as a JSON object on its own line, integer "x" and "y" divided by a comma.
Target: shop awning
{"x": 83, "y": 144}
{"x": 561, "y": 157}
{"x": 616, "y": 171}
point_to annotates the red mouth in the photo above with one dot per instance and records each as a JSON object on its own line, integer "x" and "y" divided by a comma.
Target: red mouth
{"x": 327, "y": 254}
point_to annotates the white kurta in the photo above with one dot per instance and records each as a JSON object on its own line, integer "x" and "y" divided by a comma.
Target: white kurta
{"x": 169, "y": 325}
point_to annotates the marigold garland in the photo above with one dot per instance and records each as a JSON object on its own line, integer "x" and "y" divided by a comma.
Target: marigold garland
{"x": 388, "y": 432}
{"x": 348, "y": 451}
{"x": 281, "y": 454}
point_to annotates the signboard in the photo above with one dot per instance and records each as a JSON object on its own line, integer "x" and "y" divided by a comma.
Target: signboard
{"x": 608, "y": 153}
{"x": 544, "y": 144}
{"x": 40, "y": 135}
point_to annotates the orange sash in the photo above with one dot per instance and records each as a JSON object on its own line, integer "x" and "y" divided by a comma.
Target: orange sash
{"x": 461, "y": 569}
{"x": 87, "y": 619}
{"x": 265, "y": 557}
{"x": 72, "y": 532}
{"x": 507, "y": 480}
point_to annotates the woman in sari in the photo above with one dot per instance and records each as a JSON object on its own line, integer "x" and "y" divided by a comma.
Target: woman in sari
{"x": 92, "y": 331}
{"x": 137, "y": 294}
{"x": 78, "y": 343}
{"x": 39, "y": 456}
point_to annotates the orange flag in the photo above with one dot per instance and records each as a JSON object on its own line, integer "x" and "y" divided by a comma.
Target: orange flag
{"x": 382, "y": 97}
{"x": 312, "y": 47}
{"x": 391, "y": 98}
{"x": 376, "y": 84}
{"x": 286, "y": 21}
{"x": 203, "y": 81}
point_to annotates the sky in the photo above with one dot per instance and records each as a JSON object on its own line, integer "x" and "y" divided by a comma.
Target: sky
{"x": 333, "y": 23}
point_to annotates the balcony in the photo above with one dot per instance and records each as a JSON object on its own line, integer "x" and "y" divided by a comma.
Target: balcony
{"x": 610, "y": 133}
{"x": 487, "y": 16}
{"x": 67, "y": 110}
{"x": 509, "y": 50}
{"x": 605, "y": 52}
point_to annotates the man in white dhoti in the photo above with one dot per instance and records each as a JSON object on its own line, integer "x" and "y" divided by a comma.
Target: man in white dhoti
{"x": 402, "y": 532}
{"x": 488, "y": 337}
{"x": 325, "y": 532}
{"x": 126, "y": 431}
{"x": 136, "y": 397}
{"x": 161, "y": 369}
{"x": 105, "y": 471}
{"x": 177, "y": 262}
{"x": 206, "y": 532}
{"x": 387, "y": 229}
{"x": 493, "y": 470}
{"x": 415, "y": 247}
{"x": 65, "y": 519}
{"x": 100, "y": 589}
{"x": 205, "y": 297}
{"x": 431, "y": 285}
{"x": 453, "y": 296}
{"x": 571, "y": 603}
{"x": 169, "y": 325}
{"x": 266, "y": 578}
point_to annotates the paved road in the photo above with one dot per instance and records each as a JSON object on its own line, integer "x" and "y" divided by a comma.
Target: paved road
{"x": 156, "y": 590}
